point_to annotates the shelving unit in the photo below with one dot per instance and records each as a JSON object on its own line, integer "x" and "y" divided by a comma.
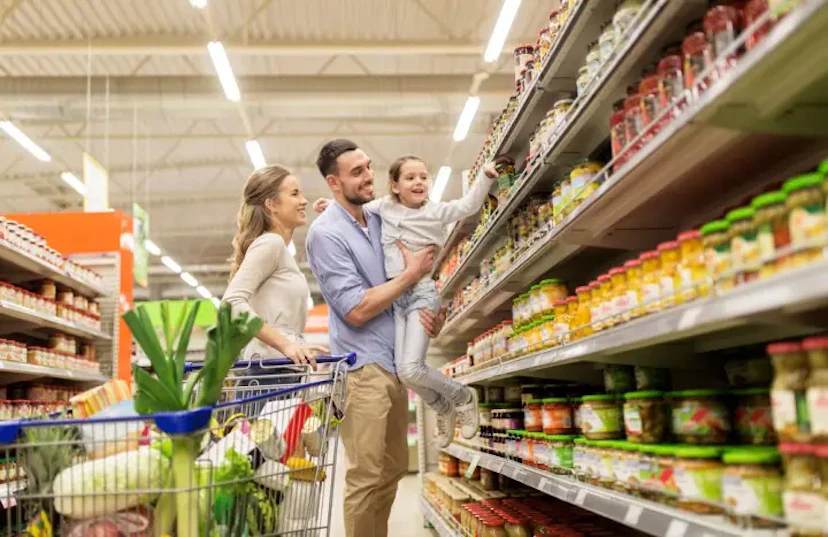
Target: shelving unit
{"x": 442, "y": 526}
{"x": 19, "y": 266}
{"x": 18, "y": 318}
{"x": 648, "y": 517}
{"x": 23, "y": 371}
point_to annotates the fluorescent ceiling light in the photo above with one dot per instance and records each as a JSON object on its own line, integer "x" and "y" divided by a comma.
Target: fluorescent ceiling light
{"x": 70, "y": 179}
{"x": 440, "y": 183}
{"x": 501, "y": 30}
{"x": 152, "y": 247}
{"x": 203, "y": 291}
{"x": 216, "y": 302}
{"x": 466, "y": 118}
{"x": 18, "y": 136}
{"x": 254, "y": 150}
{"x": 292, "y": 249}
{"x": 199, "y": 4}
{"x": 224, "y": 71}
{"x": 189, "y": 279}
{"x": 170, "y": 264}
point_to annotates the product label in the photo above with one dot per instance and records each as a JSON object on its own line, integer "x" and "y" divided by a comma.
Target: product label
{"x": 804, "y": 510}
{"x": 818, "y": 410}
{"x": 784, "y": 412}
{"x": 561, "y": 329}
{"x": 557, "y": 418}
{"x": 696, "y": 419}
{"x": 754, "y": 495}
{"x": 754, "y": 421}
{"x": 595, "y": 316}
{"x": 765, "y": 242}
{"x": 607, "y": 310}
{"x": 632, "y": 420}
{"x": 601, "y": 420}
{"x": 668, "y": 289}
{"x": 650, "y": 293}
{"x": 532, "y": 419}
{"x": 646, "y": 474}
{"x": 806, "y": 223}
{"x": 699, "y": 484}
{"x": 622, "y": 303}
{"x": 625, "y": 472}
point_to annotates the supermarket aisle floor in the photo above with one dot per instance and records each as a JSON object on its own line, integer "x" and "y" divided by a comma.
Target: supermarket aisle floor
{"x": 406, "y": 520}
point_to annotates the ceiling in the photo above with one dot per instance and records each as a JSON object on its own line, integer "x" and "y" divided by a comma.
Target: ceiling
{"x": 131, "y": 82}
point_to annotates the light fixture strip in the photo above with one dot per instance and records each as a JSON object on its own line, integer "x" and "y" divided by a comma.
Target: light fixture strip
{"x": 501, "y": 30}
{"x": 170, "y": 264}
{"x": 204, "y": 292}
{"x": 224, "y": 71}
{"x": 152, "y": 247}
{"x": 77, "y": 185}
{"x": 440, "y": 183}
{"x": 189, "y": 279}
{"x": 20, "y": 137}
{"x": 254, "y": 151}
{"x": 466, "y": 118}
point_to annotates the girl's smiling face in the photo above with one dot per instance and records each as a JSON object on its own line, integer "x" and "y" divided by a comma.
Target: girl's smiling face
{"x": 412, "y": 186}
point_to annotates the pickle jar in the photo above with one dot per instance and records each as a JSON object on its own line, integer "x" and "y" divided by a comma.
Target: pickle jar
{"x": 604, "y": 302}
{"x": 806, "y": 219}
{"x": 557, "y": 205}
{"x": 698, "y": 56}
{"x": 817, "y": 394}
{"x": 692, "y": 273}
{"x": 593, "y": 58}
{"x": 583, "y": 80}
{"x": 670, "y": 78}
{"x": 698, "y": 473}
{"x": 650, "y": 281}
{"x": 595, "y": 305}
{"x": 752, "y": 486}
{"x": 770, "y": 218}
{"x": 606, "y": 42}
{"x": 753, "y": 418}
{"x": 670, "y": 259}
{"x": 789, "y": 391}
{"x": 635, "y": 274}
{"x": 583, "y": 317}
{"x": 552, "y": 290}
{"x": 602, "y": 417}
{"x": 535, "y": 302}
{"x": 625, "y": 13}
{"x": 700, "y": 416}
{"x": 620, "y": 296}
{"x": 717, "y": 254}
{"x": 645, "y": 417}
{"x": 554, "y": 24}
{"x": 803, "y": 502}
{"x": 744, "y": 248}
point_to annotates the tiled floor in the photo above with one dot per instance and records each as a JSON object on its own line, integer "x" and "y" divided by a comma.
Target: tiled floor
{"x": 406, "y": 520}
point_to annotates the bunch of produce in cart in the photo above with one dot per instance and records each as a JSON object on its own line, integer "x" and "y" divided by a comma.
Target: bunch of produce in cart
{"x": 220, "y": 448}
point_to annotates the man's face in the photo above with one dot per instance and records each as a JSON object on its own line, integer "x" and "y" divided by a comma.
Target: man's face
{"x": 354, "y": 177}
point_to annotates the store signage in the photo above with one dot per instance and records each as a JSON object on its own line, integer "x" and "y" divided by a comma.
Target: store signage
{"x": 96, "y": 179}
{"x": 140, "y": 233}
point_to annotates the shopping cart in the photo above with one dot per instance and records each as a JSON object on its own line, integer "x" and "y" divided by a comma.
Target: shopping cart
{"x": 264, "y": 462}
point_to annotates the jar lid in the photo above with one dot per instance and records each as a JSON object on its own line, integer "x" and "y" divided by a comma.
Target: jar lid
{"x": 555, "y": 400}
{"x": 632, "y": 263}
{"x": 553, "y": 13}
{"x": 669, "y": 245}
{"x": 493, "y": 522}
{"x": 580, "y": 440}
{"x": 535, "y": 401}
{"x": 742, "y": 213}
{"x": 751, "y": 391}
{"x": 689, "y": 235}
{"x": 807, "y": 180}
{"x": 552, "y": 281}
{"x": 572, "y": 299}
{"x": 516, "y": 432}
{"x": 599, "y": 397}
{"x": 699, "y": 452}
{"x": 646, "y": 394}
{"x": 667, "y": 450}
{"x": 603, "y": 278}
{"x": 559, "y": 303}
{"x": 696, "y": 393}
{"x": 716, "y": 226}
{"x": 582, "y": 289}
{"x": 784, "y": 347}
{"x": 796, "y": 448}
{"x": 652, "y": 254}
{"x": 815, "y": 343}
{"x": 593, "y": 285}
{"x": 752, "y": 455}
{"x": 535, "y": 287}
{"x": 768, "y": 198}
{"x": 616, "y": 271}
{"x": 561, "y": 437}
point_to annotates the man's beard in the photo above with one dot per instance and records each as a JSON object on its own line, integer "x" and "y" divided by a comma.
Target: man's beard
{"x": 357, "y": 200}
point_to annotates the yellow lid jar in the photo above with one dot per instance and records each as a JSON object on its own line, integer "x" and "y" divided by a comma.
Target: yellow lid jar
{"x": 669, "y": 257}
{"x": 692, "y": 275}
{"x": 583, "y": 316}
{"x": 650, "y": 281}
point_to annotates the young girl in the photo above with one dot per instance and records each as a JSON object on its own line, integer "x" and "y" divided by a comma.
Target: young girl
{"x": 409, "y": 217}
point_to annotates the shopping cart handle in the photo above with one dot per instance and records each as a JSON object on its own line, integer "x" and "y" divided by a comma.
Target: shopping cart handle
{"x": 275, "y": 362}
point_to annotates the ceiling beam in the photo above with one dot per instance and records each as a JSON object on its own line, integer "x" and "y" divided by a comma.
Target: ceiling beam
{"x": 188, "y": 46}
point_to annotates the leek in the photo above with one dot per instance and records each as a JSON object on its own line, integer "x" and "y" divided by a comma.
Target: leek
{"x": 166, "y": 391}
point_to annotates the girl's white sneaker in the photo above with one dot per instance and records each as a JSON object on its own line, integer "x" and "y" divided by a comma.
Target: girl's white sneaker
{"x": 468, "y": 416}
{"x": 445, "y": 428}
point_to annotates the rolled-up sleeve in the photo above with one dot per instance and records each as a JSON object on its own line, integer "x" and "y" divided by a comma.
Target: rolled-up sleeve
{"x": 335, "y": 270}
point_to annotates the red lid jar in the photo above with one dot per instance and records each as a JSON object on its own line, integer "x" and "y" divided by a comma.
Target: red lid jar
{"x": 721, "y": 25}
{"x": 698, "y": 56}
{"x": 754, "y": 10}
{"x": 618, "y": 132}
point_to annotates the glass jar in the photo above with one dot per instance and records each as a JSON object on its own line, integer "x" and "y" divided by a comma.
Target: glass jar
{"x": 692, "y": 272}
{"x": 806, "y": 221}
{"x": 625, "y": 13}
{"x": 817, "y": 394}
{"x": 618, "y": 379}
{"x": 754, "y": 10}
{"x": 595, "y": 305}
{"x": 488, "y": 480}
{"x": 633, "y": 120}
{"x": 561, "y": 324}
{"x": 583, "y": 80}
{"x": 669, "y": 259}
{"x": 670, "y": 79}
{"x": 698, "y": 473}
{"x": 700, "y": 417}
{"x": 601, "y": 417}
{"x": 603, "y": 302}
{"x": 583, "y": 318}
{"x": 554, "y": 24}
{"x": 645, "y": 417}
{"x": 447, "y": 465}
{"x": 559, "y": 112}
{"x": 536, "y": 302}
{"x": 770, "y": 218}
{"x": 721, "y": 24}
{"x": 552, "y": 290}
{"x": 522, "y": 54}
{"x": 717, "y": 254}
{"x": 575, "y": 403}
{"x": 566, "y": 196}
{"x": 804, "y": 505}
{"x": 557, "y": 205}
{"x": 494, "y": 527}
{"x": 698, "y": 57}
{"x": 463, "y": 470}
{"x": 556, "y": 416}
{"x": 635, "y": 276}
{"x": 650, "y": 281}
{"x": 618, "y": 130}
{"x": 517, "y": 527}
{"x": 789, "y": 391}
{"x": 544, "y": 42}
{"x": 593, "y": 58}
{"x": 532, "y": 415}
{"x": 620, "y": 296}
{"x": 648, "y": 89}
{"x": 752, "y": 486}
{"x": 753, "y": 416}
{"x": 744, "y": 248}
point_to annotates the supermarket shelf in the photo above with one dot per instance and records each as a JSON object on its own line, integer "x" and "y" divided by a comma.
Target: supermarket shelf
{"x": 648, "y": 517}
{"x": 680, "y": 170}
{"x": 768, "y": 303}
{"x": 36, "y": 371}
{"x": 23, "y": 319}
{"x": 441, "y": 526}
{"x": 29, "y": 267}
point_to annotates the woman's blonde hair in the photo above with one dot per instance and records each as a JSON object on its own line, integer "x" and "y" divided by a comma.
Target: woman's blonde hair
{"x": 396, "y": 168}
{"x": 254, "y": 218}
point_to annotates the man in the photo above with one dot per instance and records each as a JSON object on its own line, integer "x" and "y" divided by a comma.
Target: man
{"x": 345, "y": 255}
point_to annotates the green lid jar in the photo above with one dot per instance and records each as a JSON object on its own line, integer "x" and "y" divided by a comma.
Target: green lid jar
{"x": 602, "y": 417}
{"x": 744, "y": 248}
{"x": 752, "y": 485}
{"x": 700, "y": 416}
{"x": 716, "y": 239}
{"x": 771, "y": 222}
{"x": 753, "y": 417}
{"x": 645, "y": 417}
{"x": 698, "y": 472}
{"x": 806, "y": 203}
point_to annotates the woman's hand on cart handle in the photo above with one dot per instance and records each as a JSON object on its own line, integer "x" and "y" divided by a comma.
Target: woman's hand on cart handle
{"x": 305, "y": 354}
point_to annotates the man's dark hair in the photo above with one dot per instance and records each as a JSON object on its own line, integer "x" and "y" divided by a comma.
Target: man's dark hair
{"x": 326, "y": 161}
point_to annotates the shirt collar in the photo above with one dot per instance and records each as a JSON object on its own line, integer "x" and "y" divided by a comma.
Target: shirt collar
{"x": 368, "y": 215}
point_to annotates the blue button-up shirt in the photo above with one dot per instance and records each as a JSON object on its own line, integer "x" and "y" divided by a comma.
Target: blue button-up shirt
{"x": 346, "y": 264}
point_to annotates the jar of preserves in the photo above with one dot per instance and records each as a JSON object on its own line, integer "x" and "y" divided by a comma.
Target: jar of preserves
{"x": 670, "y": 78}
{"x": 583, "y": 318}
{"x": 717, "y": 254}
{"x": 755, "y": 10}
{"x": 595, "y": 305}
{"x": 803, "y": 502}
{"x": 566, "y": 196}
{"x": 648, "y": 90}
{"x": 698, "y": 473}
{"x": 625, "y": 13}
{"x": 692, "y": 273}
{"x": 650, "y": 281}
{"x": 554, "y": 24}
{"x": 601, "y": 417}
{"x": 583, "y": 80}
{"x": 633, "y": 120}
{"x": 645, "y": 417}
{"x": 559, "y": 112}
{"x": 753, "y": 416}
{"x": 522, "y": 54}
{"x": 635, "y": 275}
{"x": 669, "y": 259}
{"x": 488, "y": 480}
{"x": 698, "y": 57}
{"x": 789, "y": 391}
{"x": 535, "y": 302}
{"x": 463, "y": 471}
{"x": 700, "y": 417}
{"x": 817, "y": 394}
{"x": 494, "y": 527}
{"x": 618, "y": 130}
{"x": 606, "y": 42}
{"x": 517, "y": 526}
{"x": 752, "y": 486}
{"x": 532, "y": 415}
{"x": 448, "y": 465}
{"x": 584, "y": 177}
{"x": 721, "y": 24}
{"x": 603, "y": 302}
{"x": 770, "y": 218}
{"x": 620, "y": 296}
{"x": 551, "y": 291}
{"x": 544, "y": 43}
{"x": 561, "y": 321}
{"x": 557, "y": 416}
{"x": 806, "y": 220}
{"x": 557, "y": 205}
{"x": 744, "y": 248}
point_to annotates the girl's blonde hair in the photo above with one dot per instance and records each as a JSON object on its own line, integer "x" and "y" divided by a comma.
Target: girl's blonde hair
{"x": 396, "y": 168}
{"x": 254, "y": 218}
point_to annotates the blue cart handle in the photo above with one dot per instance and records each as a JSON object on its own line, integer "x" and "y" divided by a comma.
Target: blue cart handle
{"x": 276, "y": 362}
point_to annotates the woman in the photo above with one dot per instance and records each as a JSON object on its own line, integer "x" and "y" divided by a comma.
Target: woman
{"x": 264, "y": 278}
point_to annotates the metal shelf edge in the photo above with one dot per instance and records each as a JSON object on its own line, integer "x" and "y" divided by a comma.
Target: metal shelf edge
{"x": 47, "y": 321}
{"x": 50, "y": 372}
{"x": 440, "y": 526}
{"x": 36, "y": 266}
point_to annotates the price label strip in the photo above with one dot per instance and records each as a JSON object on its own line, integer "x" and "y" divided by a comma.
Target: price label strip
{"x": 677, "y": 528}
{"x": 633, "y": 515}
{"x": 473, "y": 466}
{"x": 579, "y": 499}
